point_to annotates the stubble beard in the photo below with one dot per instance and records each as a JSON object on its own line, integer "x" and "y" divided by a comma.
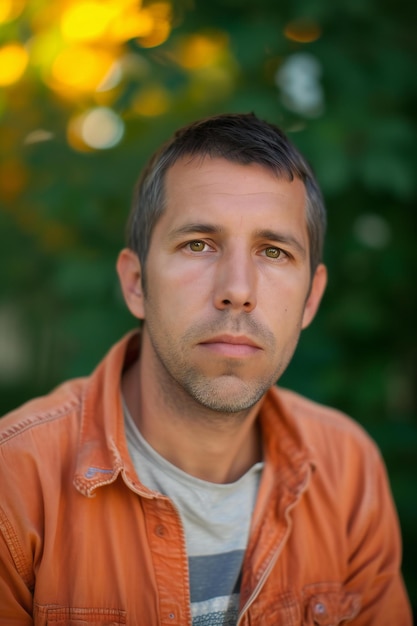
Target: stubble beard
{"x": 212, "y": 397}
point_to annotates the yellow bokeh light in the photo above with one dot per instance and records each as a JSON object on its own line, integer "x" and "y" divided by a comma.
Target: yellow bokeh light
{"x": 197, "y": 51}
{"x": 10, "y": 10}
{"x": 87, "y": 21}
{"x": 159, "y": 35}
{"x": 44, "y": 47}
{"x": 80, "y": 68}
{"x": 133, "y": 23}
{"x": 152, "y": 101}
{"x": 302, "y": 31}
{"x": 161, "y": 13}
{"x": 108, "y": 20}
{"x": 13, "y": 61}
{"x": 46, "y": 16}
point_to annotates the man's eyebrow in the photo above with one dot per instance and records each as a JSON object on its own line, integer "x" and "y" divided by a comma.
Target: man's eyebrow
{"x": 282, "y": 238}
{"x": 195, "y": 228}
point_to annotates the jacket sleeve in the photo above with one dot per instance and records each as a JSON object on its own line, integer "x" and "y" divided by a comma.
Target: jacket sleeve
{"x": 15, "y": 579}
{"x": 375, "y": 550}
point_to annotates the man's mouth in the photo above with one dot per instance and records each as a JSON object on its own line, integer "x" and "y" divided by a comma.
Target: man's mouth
{"x": 233, "y": 346}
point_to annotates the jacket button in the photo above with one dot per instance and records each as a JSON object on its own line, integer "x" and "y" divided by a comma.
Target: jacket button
{"x": 319, "y": 608}
{"x": 160, "y": 530}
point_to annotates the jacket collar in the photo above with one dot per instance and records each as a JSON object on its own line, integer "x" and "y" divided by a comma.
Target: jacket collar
{"x": 286, "y": 450}
{"x": 102, "y": 451}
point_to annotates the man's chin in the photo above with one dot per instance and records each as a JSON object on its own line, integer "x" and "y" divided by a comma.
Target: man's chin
{"x": 227, "y": 395}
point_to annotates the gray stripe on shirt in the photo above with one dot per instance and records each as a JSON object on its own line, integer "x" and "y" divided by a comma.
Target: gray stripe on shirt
{"x": 215, "y": 575}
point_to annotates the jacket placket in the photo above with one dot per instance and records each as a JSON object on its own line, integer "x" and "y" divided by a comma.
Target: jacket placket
{"x": 268, "y": 541}
{"x": 167, "y": 544}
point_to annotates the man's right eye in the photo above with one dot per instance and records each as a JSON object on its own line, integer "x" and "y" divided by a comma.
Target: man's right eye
{"x": 197, "y": 245}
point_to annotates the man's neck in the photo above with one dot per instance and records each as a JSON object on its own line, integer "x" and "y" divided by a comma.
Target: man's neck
{"x": 211, "y": 446}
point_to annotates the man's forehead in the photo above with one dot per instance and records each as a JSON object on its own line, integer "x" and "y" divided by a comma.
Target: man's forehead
{"x": 216, "y": 195}
{"x": 217, "y": 172}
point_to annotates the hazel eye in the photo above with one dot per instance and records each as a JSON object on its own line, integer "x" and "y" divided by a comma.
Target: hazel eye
{"x": 272, "y": 252}
{"x": 197, "y": 245}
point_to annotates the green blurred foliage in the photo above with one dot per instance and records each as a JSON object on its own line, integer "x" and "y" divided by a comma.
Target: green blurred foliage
{"x": 61, "y": 229}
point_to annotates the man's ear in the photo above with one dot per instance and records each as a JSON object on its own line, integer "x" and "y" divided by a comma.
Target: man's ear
{"x": 318, "y": 285}
{"x": 130, "y": 276}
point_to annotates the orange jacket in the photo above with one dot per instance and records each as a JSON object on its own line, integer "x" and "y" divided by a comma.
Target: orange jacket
{"x": 82, "y": 541}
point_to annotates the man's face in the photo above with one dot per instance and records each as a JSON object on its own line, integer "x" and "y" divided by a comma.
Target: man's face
{"x": 228, "y": 283}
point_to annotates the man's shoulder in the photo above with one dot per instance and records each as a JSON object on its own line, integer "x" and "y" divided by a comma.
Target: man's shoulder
{"x": 322, "y": 426}
{"x": 40, "y": 416}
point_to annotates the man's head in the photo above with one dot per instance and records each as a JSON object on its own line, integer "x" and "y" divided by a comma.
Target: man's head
{"x": 238, "y": 138}
{"x": 223, "y": 263}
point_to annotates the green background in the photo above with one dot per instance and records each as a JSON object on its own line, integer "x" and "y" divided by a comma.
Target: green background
{"x": 61, "y": 229}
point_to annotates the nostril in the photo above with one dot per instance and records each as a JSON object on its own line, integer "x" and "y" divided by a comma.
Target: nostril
{"x": 228, "y": 303}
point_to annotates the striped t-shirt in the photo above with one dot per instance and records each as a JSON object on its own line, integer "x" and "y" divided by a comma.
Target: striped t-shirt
{"x": 216, "y": 520}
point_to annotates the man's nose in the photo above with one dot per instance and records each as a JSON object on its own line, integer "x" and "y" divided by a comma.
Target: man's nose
{"x": 235, "y": 281}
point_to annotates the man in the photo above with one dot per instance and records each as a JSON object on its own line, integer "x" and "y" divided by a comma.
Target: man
{"x": 177, "y": 484}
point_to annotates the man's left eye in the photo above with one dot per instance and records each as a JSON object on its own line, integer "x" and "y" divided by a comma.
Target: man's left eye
{"x": 272, "y": 252}
{"x": 197, "y": 245}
